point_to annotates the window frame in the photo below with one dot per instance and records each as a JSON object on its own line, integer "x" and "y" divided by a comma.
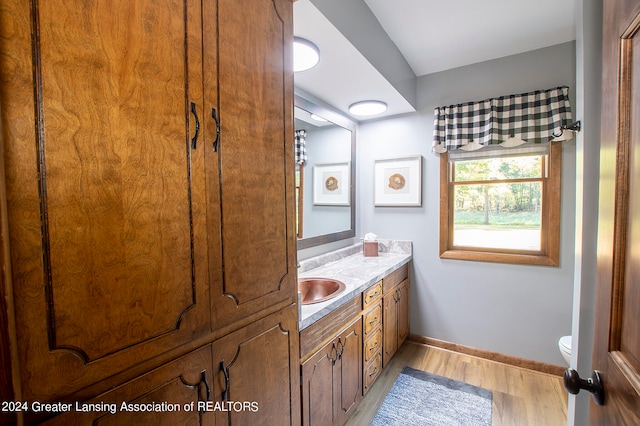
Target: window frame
{"x": 549, "y": 253}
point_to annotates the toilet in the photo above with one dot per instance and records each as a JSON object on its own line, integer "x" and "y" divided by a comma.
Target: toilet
{"x": 564, "y": 344}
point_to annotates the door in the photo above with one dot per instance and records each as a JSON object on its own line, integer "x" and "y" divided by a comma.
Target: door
{"x": 319, "y": 387}
{"x": 105, "y": 191}
{"x": 389, "y": 326}
{"x": 403, "y": 311}
{"x": 348, "y": 369}
{"x": 255, "y": 151}
{"x": 617, "y": 335}
{"x": 174, "y": 394}
{"x": 257, "y": 376}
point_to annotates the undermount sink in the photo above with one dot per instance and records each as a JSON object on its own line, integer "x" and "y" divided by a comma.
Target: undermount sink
{"x": 316, "y": 290}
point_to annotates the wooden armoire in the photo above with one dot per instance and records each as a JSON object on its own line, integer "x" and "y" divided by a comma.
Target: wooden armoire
{"x": 147, "y": 211}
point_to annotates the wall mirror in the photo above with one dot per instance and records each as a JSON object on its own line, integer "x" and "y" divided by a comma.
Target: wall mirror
{"x": 325, "y": 182}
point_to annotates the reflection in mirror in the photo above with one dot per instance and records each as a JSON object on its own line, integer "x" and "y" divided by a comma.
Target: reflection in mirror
{"x": 325, "y": 180}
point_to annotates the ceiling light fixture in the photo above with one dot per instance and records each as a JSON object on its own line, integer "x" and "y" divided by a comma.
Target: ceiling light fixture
{"x": 306, "y": 55}
{"x": 367, "y": 108}
{"x": 318, "y": 118}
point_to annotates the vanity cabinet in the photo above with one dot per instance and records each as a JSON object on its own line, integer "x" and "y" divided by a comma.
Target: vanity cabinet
{"x": 332, "y": 379}
{"x": 136, "y": 223}
{"x": 395, "y": 316}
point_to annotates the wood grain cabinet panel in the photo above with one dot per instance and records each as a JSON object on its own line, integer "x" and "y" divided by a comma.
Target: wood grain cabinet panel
{"x": 263, "y": 375}
{"x": 255, "y": 158}
{"x": 155, "y": 398}
{"x": 395, "y": 319}
{"x": 372, "y": 319}
{"x": 373, "y": 344}
{"x": 372, "y": 295}
{"x": 148, "y": 180}
{"x": 332, "y": 379}
{"x": 371, "y": 372}
{"x": 105, "y": 195}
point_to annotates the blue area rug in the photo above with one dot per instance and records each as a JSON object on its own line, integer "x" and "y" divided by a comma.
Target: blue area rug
{"x": 419, "y": 398}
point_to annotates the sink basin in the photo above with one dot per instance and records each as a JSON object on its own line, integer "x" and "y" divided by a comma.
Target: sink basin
{"x": 316, "y": 290}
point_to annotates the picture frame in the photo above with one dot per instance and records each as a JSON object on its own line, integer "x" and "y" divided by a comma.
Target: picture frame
{"x": 398, "y": 181}
{"x": 331, "y": 184}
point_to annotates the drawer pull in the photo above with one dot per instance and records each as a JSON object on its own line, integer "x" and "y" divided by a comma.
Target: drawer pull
{"x": 374, "y": 372}
{"x": 374, "y": 347}
{"x": 373, "y": 320}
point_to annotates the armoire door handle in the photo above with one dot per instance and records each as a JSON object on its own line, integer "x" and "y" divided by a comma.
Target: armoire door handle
{"x": 217, "y": 140}
{"x": 225, "y": 392}
{"x": 194, "y": 140}
{"x": 203, "y": 376}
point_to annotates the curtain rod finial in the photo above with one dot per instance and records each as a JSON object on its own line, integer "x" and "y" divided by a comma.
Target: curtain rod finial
{"x": 575, "y": 126}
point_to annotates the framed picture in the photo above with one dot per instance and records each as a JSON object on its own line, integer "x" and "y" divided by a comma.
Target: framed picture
{"x": 398, "y": 181}
{"x": 331, "y": 186}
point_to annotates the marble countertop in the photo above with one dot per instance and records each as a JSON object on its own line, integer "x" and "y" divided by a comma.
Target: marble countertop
{"x": 355, "y": 270}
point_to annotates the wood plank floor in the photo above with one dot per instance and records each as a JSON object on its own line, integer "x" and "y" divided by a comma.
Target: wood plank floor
{"x": 520, "y": 396}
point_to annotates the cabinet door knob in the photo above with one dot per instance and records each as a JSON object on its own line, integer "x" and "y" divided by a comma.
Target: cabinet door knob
{"x": 194, "y": 140}
{"x": 225, "y": 392}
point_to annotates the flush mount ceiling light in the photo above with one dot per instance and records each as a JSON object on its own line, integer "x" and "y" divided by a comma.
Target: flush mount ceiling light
{"x": 367, "y": 108}
{"x": 305, "y": 54}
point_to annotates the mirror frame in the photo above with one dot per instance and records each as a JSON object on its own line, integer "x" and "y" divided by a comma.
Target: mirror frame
{"x": 350, "y": 125}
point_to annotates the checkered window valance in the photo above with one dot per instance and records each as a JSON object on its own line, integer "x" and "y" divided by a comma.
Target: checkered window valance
{"x": 301, "y": 146}
{"x": 539, "y": 116}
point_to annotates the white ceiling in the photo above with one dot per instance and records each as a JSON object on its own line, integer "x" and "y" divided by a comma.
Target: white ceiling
{"x": 432, "y": 36}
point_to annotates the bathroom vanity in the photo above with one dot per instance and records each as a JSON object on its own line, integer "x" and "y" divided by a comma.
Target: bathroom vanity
{"x": 345, "y": 341}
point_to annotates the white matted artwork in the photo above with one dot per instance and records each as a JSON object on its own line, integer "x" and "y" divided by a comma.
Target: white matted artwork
{"x": 331, "y": 186}
{"x": 398, "y": 181}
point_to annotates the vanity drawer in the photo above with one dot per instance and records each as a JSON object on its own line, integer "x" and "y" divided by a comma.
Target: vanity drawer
{"x": 373, "y": 344}
{"x": 371, "y": 372}
{"x": 395, "y": 278}
{"x": 372, "y": 319}
{"x": 370, "y": 296}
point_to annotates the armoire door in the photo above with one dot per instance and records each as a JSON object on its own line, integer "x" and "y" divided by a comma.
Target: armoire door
{"x": 174, "y": 394}
{"x": 255, "y": 84}
{"x": 104, "y": 186}
{"x": 257, "y": 373}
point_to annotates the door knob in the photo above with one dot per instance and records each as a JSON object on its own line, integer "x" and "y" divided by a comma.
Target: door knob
{"x": 573, "y": 383}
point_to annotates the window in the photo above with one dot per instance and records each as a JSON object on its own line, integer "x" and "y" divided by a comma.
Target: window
{"x": 501, "y": 208}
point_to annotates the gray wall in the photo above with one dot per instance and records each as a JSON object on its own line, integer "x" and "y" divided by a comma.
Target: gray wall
{"x": 517, "y": 310}
{"x": 589, "y": 76}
